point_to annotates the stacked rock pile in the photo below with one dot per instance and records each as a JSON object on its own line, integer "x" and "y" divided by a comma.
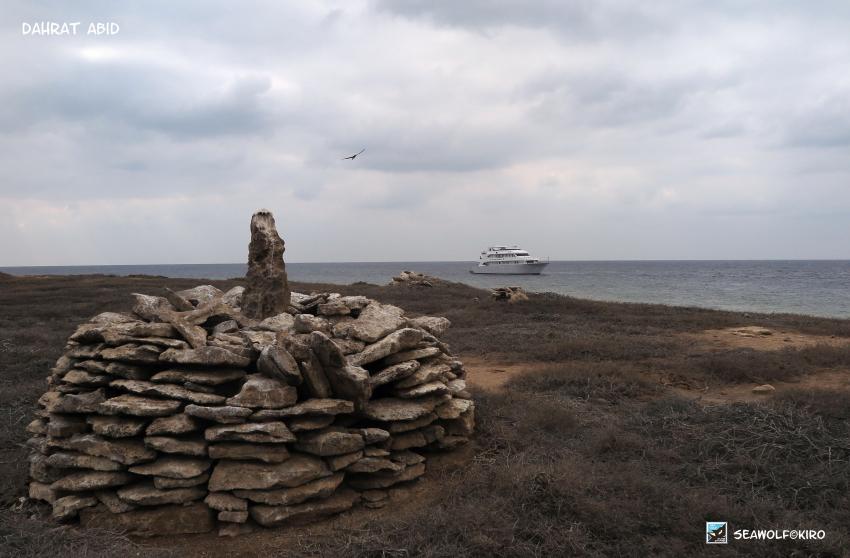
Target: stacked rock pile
{"x": 415, "y": 279}
{"x": 186, "y": 411}
{"x": 509, "y": 294}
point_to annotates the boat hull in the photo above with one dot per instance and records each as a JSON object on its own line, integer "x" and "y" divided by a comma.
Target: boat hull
{"x": 510, "y": 269}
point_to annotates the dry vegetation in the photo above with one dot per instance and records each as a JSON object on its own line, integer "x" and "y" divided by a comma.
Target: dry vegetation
{"x": 590, "y": 453}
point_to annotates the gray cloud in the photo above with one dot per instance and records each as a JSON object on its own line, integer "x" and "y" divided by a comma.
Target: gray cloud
{"x": 586, "y": 129}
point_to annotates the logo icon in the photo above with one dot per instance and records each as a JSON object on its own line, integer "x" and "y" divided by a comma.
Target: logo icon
{"x": 716, "y": 532}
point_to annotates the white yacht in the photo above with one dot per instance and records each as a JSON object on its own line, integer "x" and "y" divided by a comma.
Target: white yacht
{"x": 509, "y": 260}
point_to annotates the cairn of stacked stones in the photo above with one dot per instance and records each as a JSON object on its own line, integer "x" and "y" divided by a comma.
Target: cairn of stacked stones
{"x": 186, "y": 414}
{"x": 415, "y": 279}
{"x": 509, "y": 294}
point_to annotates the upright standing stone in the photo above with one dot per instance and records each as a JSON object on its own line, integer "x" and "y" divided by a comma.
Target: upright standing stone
{"x": 267, "y": 293}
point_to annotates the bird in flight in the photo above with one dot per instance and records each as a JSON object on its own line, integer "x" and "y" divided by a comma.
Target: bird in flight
{"x": 352, "y": 157}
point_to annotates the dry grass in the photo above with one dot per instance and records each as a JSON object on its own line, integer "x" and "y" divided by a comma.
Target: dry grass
{"x": 583, "y": 456}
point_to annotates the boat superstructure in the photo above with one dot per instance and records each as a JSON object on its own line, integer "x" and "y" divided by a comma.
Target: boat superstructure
{"x": 509, "y": 260}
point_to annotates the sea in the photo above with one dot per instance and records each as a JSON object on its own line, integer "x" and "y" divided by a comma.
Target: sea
{"x": 816, "y": 287}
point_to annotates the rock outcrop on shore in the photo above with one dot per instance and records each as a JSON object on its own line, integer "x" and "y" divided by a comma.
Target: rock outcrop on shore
{"x": 186, "y": 414}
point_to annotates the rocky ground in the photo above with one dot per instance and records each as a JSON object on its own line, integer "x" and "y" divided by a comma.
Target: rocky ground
{"x": 602, "y": 429}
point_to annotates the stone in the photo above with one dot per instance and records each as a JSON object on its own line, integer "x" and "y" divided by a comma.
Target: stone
{"x": 211, "y": 377}
{"x": 133, "y": 352}
{"x": 224, "y": 415}
{"x": 414, "y": 354}
{"x": 139, "y": 406}
{"x": 271, "y": 516}
{"x": 128, "y": 371}
{"x": 428, "y": 372}
{"x": 330, "y": 442}
{"x": 69, "y": 506}
{"x": 116, "y": 427}
{"x": 267, "y": 453}
{"x": 394, "y": 373}
{"x": 453, "y": 408}
{"x": 417, "y": 438}
{"x": 259, "y": 339}
{"x": 37, "y": 427}
{"x": 62, "y": 426}
{"x": 319, "y": 488}
{"x": 337, "y": 462}
{"x": 328, "y": 353}
{"x": 408, "y": 425}
{"x": 764, "y": 389}
{"x": 342, "y": 305}
{"x": 233, "y": 516}
{"x": 267, "y": 292}
{"x": 318, "y": 406}
{"x": 281, "y": 322}
{"x": 261, "y": 392}
{"x": 374, "y": 495}
{"x": 224, "y": 501}
{"x": 463, "y": 426}
{"x": 375, "y": 451}
{"x": 258, "y": 432}
{"x": 233, "y": 297}
{"x": 308, "y": 323}
{"x": 74, "y": 460}
{"x": 201, "y": 295}
{"x": 385, "y": 479}
{"x": 436, "y": 326}
{"x": 113, "y": 503}
{"x": 165, "y": 483}
{"x": 83, "y": 403}
{"x": 315, "y": 380}
{"x": 173, "y": 467}
{"x": 175, "y": 424}
{"x": 226, "y": 529}
{"x": 40, "y": 491}
{"x": 146, "y": 494}
{"x": 125, "y": 451}
{"x": 451, "y": 442}
{"x": 84, "y": 378}
{"x": 41, "y": 471}
{"x": 374, "y": 322}
{"x": 83, "y": 351}
{"x": 400, "y": 340}
{"x": 150, "y": 307}
{"x": 309, "y": 422}
{"x": 227, "y": 326}
{"x": 373, "y": 465}
{"x": 431, "y": 388}
{"x": 391, "y": 409}
{"x": 349, "y": 346}
{"x": 295, "y": 471}
{"x": 205, "y": 356}
{"x": 85, "y": 481}
{"x": 164, "y": 521}
{"x": 276, "y": 362}
{"x": 177, "y": 301}
{"x": 182, "y": 446}
{"x": 169, "y": 391}
{"x": 374, "y": 435}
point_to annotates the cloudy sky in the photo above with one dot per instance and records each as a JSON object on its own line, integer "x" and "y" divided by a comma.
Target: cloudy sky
{"x": 580, "y": 129}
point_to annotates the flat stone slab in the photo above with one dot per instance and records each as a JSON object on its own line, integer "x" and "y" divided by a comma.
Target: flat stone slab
{"x": 434, "y": 325}
{"x": 261, "y": 392}
{"x": 394, "y": 373}
{"x": 146, "y": 494}
{"x": 295, "y": 471}
{"x": 126, "y": 451}
{"x": 173, "y": 467}
{"x": 169, "y": 391}
{"x": 166, "y": 444}
{"x": 135, "y": 405}
{"x": 374, "y": 322}
{"x": 309, "y": 407}
{"x": 85, "y": 481}
{"x": 329, "y": 443}
{"x": 319, "y": 488}
{"x": 385, "y": 479}
{"x": 205, "y": 356}
{"x": 116, "y": 427}
{"x": 393, "y": 409}
{"x": 267, "y": 453}
{"x": 395, "y": 342}
{"x": 224, "y": 415}
{"x": 168, "y": 520}
{"x": 261, "y": 432}
{"x": 414, "y": 354}
{"x": 74, "y": 460}
{"x": 83, "y": 403}
{"x": 67, "y": 507}
{"x": 175, "y": 424}
{"x": 164, "y": 483}
{"x": 211, "y": 377}
{"x": 271, "y": 516}
{"x": 224, "y": 501}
